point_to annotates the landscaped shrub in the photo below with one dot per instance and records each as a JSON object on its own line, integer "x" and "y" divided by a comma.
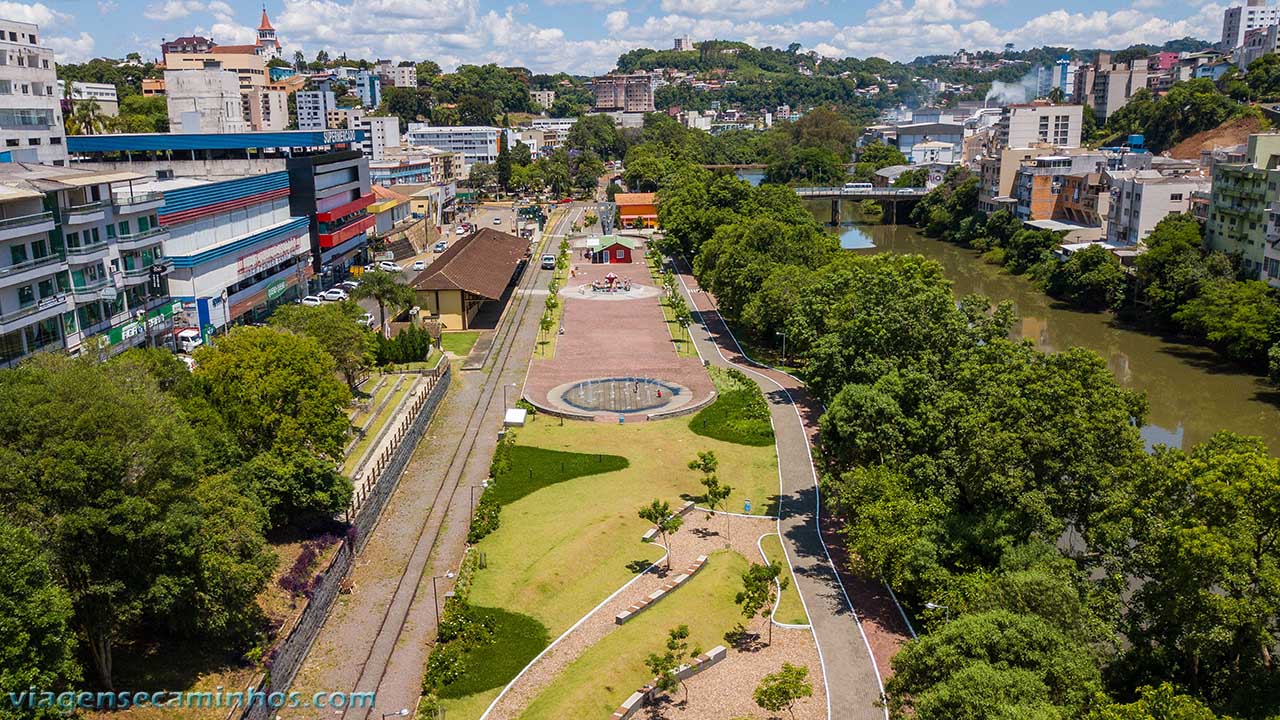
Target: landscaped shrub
{"x": 412, "y": 344}
{"x": 466, "y": 666}
{"x": 300, "y": 580}
{"x": 485, "y": 518}
{"x": 738, "y": 415}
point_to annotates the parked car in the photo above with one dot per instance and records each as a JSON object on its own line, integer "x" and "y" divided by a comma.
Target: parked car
{"x": 370, "y": 267}
{"x": 497, "y": 221}
{"x": 419, "y": 265}
{"x": 548, "y": 262}
{"x": 311, "y": 300}
{"x": 188, "y": 339}
{"x": 441, "y": 246}
{"x": 388, "y": 266}
{"x": 367, "y": 320}
{"x": 349, "y": 285}
{"x": 334, "y": 295}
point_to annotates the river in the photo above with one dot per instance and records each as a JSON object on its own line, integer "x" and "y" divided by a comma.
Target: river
{"x": 1192, "y": 395}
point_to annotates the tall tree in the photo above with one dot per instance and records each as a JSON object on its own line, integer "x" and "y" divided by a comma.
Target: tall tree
{"x": 336, "y": 326}
{"x": 389, "y": 291}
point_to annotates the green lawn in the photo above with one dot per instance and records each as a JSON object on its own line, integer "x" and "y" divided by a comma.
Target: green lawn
{"x": 603, "y": 676}
{"x": 739, "y": 414}
{"x": 684, "y": 348}
{"x": 460, "y": 342}
{"x": 517, "y": 639}
{"x": 790, "y": 609}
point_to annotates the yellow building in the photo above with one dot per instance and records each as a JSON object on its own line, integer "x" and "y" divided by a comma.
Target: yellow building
{"x": 474, "y": 270}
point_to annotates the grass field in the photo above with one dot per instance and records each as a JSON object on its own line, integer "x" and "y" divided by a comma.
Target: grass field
{"x": 603, "y": 676}
{"x": 459, "y": 343}
{"x": 684, "y": 348}
{"x": 738, "y": 415}
{"x": 790, "y": 609}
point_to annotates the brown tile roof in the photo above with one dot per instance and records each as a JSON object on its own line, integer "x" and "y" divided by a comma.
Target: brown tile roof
{"x": 481, "y": 263}
{"x": 235, "y": 49}
{"x": 385, "y": 193}
{"x": 635, "y": 198}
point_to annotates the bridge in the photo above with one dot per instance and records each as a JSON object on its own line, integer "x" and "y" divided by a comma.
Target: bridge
{"x": 890, "y": 198}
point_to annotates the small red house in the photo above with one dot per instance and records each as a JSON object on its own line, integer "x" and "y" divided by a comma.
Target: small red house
{"x": 611, "y": 249}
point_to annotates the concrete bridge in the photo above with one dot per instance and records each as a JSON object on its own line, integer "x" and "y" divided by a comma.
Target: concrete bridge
{"x": 892, "y": 199}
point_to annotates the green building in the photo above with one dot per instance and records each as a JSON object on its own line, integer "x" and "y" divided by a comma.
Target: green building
{"x": 1242, "y": 192}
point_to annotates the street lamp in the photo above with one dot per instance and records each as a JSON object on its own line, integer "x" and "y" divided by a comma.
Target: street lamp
{"x": 784, "y": 346}
{"x": 435, "y": 597}
{"x": 936, "y": 606}
{"x": 504, "y": 396}
{"x": 398, "y": 713}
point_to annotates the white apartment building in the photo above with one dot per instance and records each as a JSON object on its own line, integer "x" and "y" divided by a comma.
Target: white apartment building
{"x": 102, "y": 93}
{"x": 561, "y": 124}
{"x": 30, "y": 109}
{"x": 265, "y": 110}
{"x": 684, "y": 44}
{"x": 544, "y": 98}
{"x": 204, "y": 101}
{"x": 369, "y": 87}
{"x": 1035, "y": 123}
{"x": 1236, "y": 21}
{"x": 380, "y": 133}
{"x": 313, "y": 108}
{"x": 397, "y": 75}
{"x": 1142, "y": 198}
{"x": 477, "y": 143}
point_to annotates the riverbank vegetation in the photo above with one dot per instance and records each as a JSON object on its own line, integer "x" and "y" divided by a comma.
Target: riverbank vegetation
{"x": 1057, "y": 569}
{"x": 1174, "y": 287}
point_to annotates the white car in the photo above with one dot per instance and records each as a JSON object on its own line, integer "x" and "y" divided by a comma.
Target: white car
{"x": 334, "y": 295}
{"x": 370, "y": 267}
{"x": 497, "y": 221}
{"x": 367, "y": 320}
{"x": 419, "y": 265}
{"x": 460, "y": 231}
{"x": 312, "y": 300}
{"x": 388, "y": 266}
{"x": 349, "y": 285}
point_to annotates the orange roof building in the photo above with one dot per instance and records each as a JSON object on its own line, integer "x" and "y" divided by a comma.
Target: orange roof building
{"x": 637, "y": 209}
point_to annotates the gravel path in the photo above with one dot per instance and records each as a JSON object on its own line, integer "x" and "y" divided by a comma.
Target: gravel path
{"x": 700, "y": 535}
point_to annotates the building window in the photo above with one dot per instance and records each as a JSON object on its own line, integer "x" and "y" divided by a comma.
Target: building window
{"x": 1175, "y": 197}
{"x": 26, "y": 295}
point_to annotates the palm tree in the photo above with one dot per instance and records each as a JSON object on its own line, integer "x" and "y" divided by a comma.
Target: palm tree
{"x": 388, "y": 290}
{"x": 86, "y": 119}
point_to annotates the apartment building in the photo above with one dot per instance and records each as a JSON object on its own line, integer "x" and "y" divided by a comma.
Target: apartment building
{"x": 265, "y": 109}
{"x": 1028, "y": 124}
{"x": 82, "y": 267}
{"x": 205, "y": 100}
{"x": 30, "y": 109}
{"x": 1256, "y": 43}
{"x": 380, "y": 133}
{"x": 314, "y": 107}
{"x": 1142, "y": 198}
{"x": 628, "y": 93}
{"x": 544, "y": 98}
{"x": 996, "y": 173}
{"x": 1239, "y": 20}
{"x": 250, "y": 69}
{"x": 344, "y": 117}
{"x": 399, "y": 75}
{"x": 186, "y": 44}
{"x": 1038, "y": 182}
{"x": 1108, "y": 86}
{"x": 476, "y": 143}
{"x": 1241, "y": 198}
{"x": 104, "y": 94}
{"x": 369, "y": 87}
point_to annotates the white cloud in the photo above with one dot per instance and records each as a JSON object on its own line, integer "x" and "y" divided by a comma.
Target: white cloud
{"x": 733, "y": 8}
{"x": 37, "y": 13}
{"x": 106, "y": 7}
{"x": 71, "y": 50}
{"x": 616, "y": 21}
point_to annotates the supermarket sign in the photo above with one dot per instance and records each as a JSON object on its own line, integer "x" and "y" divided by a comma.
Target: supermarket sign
{"x": 134, "y": 328}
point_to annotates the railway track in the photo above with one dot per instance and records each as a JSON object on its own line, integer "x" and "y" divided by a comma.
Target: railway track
{"x": 373, "y": 667}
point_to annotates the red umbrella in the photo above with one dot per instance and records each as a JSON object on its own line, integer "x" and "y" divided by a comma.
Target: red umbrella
{"x": 611, "y": 276}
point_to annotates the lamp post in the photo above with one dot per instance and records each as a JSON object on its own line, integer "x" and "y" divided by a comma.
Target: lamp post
{"x": 946, "y": 610}
{"x": 784, "y": 346}
{"x": 398, "y": 713}
{"x": 435, "y": 596}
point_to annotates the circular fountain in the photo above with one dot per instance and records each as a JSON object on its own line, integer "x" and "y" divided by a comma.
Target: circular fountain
{"x": 620, "y": 395}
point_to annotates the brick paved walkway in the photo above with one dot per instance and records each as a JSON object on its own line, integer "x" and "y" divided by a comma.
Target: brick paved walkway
{"x": 622, "y": 338}
{"x": 858, "y": 626}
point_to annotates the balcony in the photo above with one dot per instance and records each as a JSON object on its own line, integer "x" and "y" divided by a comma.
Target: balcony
{"x": 87, "y": 253}
{"x": 25, "y": 225}
{"x": 25, "y": 272}
{"x": 139, "y": 275}
{"x": 90, "y": 290}
{"x": 137, "y": 202}
{"x": 33, "y": 313}
{"x": 87, "y": 213}
{"x": 142, "y": 239}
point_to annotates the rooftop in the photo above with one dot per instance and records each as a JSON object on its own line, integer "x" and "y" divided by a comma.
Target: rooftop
{"x": 635, "y": 198}
{"x": 139, "y": 142}
{"x": 481, "y": 264}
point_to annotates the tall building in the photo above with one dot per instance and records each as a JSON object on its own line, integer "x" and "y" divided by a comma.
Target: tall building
{"x": 476, "y": 143}
{"x": 1064, "y": 76}
{"x": 544, "y": 98}
{"x": 1038, "y": 182}
{"x": 624, "y": 93}
{"x": 1029, "y": 124}
{"x": 380, "y": 134}
{"x": 82, "y": 266}
{"x": 1238, "y": 20}
{"x": 1240, "y": 201}
{"x": 31, "y": 115}
{"x": 313, "y": 108}
{"x": 204, "y": 101}
{"x": 1108, "y": 86}
{"x": 399, "y": 75}
{"x": 369, "y": 87}
{"x": 266, "y": 109}
{"x": 1142, "y": 198}
{"x": 684, "y": 44}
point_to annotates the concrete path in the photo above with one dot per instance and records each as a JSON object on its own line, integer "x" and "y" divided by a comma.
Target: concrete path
{"x": 857, "y": 623}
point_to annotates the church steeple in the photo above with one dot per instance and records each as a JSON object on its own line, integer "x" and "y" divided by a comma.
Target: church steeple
{"x": 266, "y": 24}
{"x": 267, "y": 42}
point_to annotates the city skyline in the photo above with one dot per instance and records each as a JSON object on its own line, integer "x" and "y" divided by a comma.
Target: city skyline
{"x": 587, "y": 36}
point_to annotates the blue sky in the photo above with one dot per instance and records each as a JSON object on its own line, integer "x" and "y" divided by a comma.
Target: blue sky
{"x": 586, "y": 36}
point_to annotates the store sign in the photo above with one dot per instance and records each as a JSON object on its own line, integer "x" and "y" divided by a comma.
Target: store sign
{"x": 256, "y": 262}
{"x": 276, "y": 289}
{"x": 132, "y": 329}
{"x": 339, "y": 136}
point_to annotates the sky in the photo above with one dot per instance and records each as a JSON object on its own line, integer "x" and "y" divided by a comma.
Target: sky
{"x": 587, "y": 36}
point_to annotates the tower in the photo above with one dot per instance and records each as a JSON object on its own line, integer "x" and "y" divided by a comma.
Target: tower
{"x": 268, "y": 45}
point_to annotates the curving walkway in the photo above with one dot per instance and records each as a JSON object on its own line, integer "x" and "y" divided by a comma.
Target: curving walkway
{"x": 857, "y": 622}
